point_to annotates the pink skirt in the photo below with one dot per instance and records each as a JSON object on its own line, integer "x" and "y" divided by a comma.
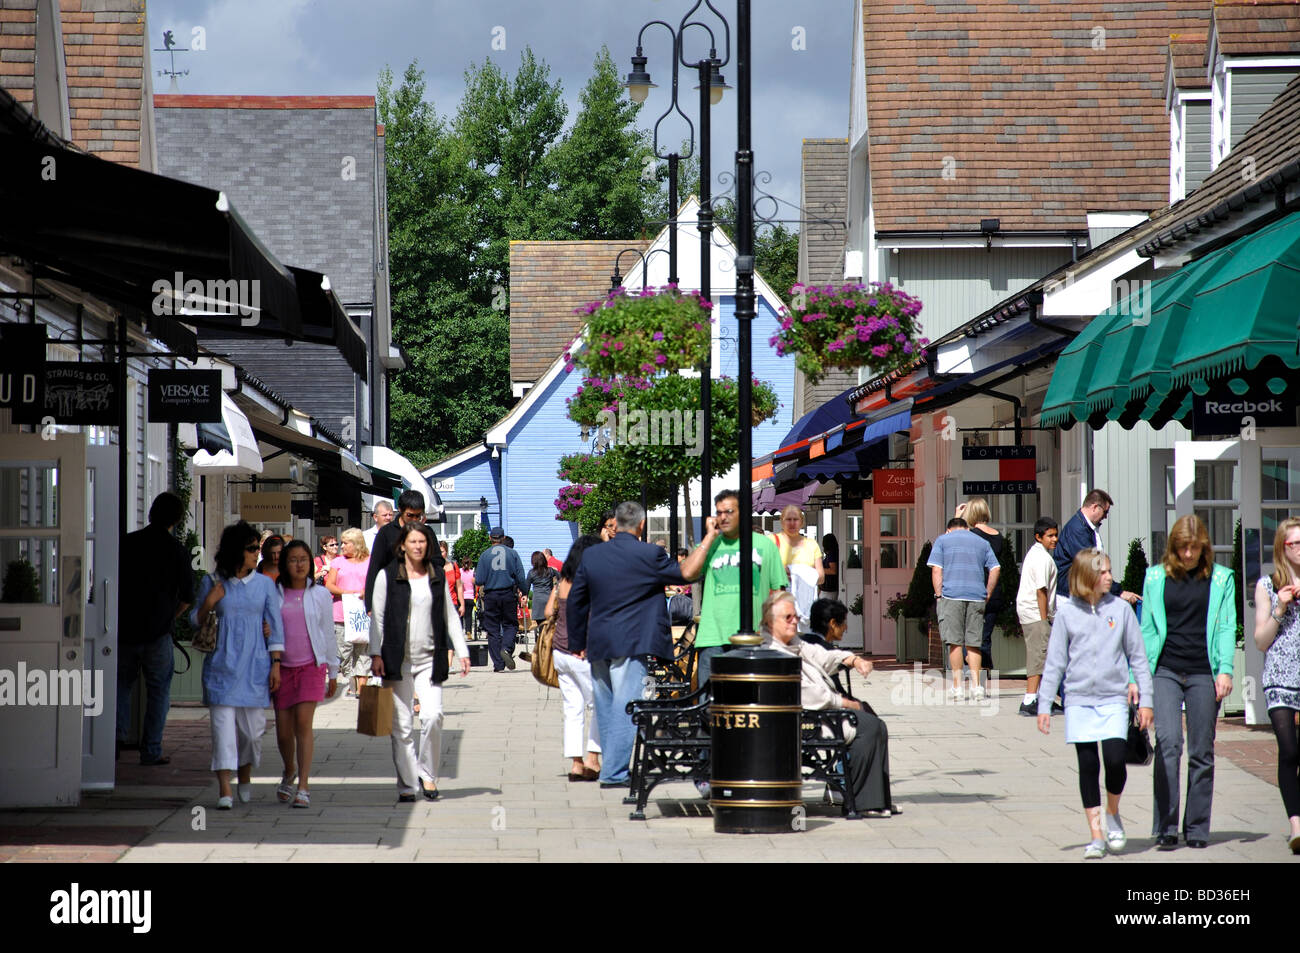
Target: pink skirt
{"x": 300, "y": 683}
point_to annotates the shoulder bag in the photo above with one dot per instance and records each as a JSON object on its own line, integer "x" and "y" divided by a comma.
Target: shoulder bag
{"x": 205, "y": 639}
{"x": 543, "y": 655}
{"x": 1139, "y": 743}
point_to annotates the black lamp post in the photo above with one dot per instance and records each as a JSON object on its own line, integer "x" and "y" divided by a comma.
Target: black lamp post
{"x": 711, "y": 87}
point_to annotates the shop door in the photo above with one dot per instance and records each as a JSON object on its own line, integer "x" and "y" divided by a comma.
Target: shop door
{"x": 890, "y": 541}
{"x": 42, "y": 537}
{"x": 1220, "y": 481}
{"x": 98, "y": 733}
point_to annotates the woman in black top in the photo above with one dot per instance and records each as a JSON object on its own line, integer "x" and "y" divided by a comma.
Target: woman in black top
{"x": 541, "y": 580}
{"x": 975, "y": 512}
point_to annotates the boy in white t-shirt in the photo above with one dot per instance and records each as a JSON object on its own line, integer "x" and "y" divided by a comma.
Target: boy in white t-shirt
{"x": 1036, "y": 607}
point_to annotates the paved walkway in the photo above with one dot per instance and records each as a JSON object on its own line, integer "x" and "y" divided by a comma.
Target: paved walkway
{"x": 975, "y": 783}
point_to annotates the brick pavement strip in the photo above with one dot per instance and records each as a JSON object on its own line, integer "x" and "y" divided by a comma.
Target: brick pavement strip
{"x": 1008, "y": 792}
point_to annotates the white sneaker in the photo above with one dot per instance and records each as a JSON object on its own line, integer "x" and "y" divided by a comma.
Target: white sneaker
{"x": 1115, "y": 836}
{"x": 977, "y": 693}
{"x": 956, "y": 695}
{"x": 1096, "y": 849}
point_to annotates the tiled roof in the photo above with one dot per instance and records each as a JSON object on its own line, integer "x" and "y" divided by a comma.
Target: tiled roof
{"x": 1187, "y": 58}
{"x": 18, "y": 49}
{"x": 1034, "y": 114}
{"x": 547, "y": 281}
{"x": 824, "y": 198}
{"x": 1250, "y": 28}
{"x": 103, "y": 46}
{"x": 172, "y": 101}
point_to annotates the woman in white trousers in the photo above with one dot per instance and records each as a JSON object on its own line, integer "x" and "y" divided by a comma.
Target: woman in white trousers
{"x": 574, "y": 672}
{"x": 413, "y": 624}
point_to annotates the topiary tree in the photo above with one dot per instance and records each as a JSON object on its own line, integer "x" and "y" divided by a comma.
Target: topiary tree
{"x": 21, "y": 583}
{"x": 1135, "y": 570}
{"x": 919, "y": 601}
{"x": 473, "y": 543}
{"x": 1008, "y": 585}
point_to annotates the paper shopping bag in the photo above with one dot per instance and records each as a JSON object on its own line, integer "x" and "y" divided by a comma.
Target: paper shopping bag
{"x": 375, "y": 713}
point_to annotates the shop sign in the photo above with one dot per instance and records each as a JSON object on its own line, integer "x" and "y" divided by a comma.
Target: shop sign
{"x": 893, "y": 486}
{"x": 1223, "y": 413}
{"x": 184, "y": 397}
{"x": 265, "y": 507}
{"x": 22, "y": 371}
{"x": 993, "y": 471}
{"x": 80, "y": 394}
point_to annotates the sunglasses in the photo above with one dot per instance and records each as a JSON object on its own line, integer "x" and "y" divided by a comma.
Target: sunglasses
{"x": 252, "y": 548}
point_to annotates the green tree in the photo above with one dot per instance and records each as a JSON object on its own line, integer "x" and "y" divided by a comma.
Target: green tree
{"x": 459, "y": 191}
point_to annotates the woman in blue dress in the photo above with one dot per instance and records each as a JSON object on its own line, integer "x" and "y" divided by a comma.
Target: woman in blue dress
{"x": 245, "y": 668}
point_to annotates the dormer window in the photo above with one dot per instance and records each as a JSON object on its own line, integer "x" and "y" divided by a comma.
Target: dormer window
{"x": 1220, "y": 113}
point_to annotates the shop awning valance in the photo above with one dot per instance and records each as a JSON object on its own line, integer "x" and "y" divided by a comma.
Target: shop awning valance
{"x": 836, "y": 443}
{"x": 1237, "y": 310}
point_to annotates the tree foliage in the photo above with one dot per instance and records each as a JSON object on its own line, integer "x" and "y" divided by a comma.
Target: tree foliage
{"x": 460, "y": 189}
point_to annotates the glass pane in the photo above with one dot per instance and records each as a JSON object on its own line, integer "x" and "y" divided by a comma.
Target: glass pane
{"x": 90, "y": 500}
{"x": 893, "y": 555}
{"x": 1221, "y": 521}
{"x": 29, "y": 495}
{"x": 854, "y": 525}
{"x": 1216, "y": 480}
{"x": 889, "y": 524}
{"x": 854, "y": 560}
{"x": 30, "y": 570}
{"x": 90, "y": 572}
{"x": 1171, "y": 485}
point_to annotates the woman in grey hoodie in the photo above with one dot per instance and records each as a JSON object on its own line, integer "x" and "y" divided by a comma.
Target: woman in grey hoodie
{"x": 1096, "y": 646}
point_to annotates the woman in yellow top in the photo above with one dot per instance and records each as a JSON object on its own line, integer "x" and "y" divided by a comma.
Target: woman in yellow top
{"x": 797, "y": 549}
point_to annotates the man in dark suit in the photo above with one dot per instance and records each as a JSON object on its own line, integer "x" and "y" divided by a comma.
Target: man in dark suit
{"x": 410, "y": 509}
{"x": 1082, "y": 531}
{"x": 617, "y": 615}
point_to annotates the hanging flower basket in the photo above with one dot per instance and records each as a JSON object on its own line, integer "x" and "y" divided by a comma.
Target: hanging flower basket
{"x": 569, "y": 501}
{"x": 872, "y": 326}
{"x": 640, "y": 334}
{"x": 598, "y": 395}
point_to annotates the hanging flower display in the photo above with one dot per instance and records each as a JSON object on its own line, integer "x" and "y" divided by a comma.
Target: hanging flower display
{"x": 631, "y": 335}
{"x": 871, "y": 326}
{"x": 569, "y": 501}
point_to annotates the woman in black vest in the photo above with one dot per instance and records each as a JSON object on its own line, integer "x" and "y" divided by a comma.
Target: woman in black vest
{"x": 413, "y": 627}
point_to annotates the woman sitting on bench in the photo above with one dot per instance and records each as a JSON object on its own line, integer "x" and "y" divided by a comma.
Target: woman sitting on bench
{"x": 868, "y": 758}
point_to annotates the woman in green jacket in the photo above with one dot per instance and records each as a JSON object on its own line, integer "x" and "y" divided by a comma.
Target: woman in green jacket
{"x": 1189, "y": 625}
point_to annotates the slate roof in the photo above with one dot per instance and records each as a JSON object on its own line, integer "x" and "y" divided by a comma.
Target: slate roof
{"x": 547, "y": 281}
{"x": 1187, "y": 53}
{"x": 1250, "y": 28}
{"x": 104, "y": 62}
{"x": 1045, "y": 116}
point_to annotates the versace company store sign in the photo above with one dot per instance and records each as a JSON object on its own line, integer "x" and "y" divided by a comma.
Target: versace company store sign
{"x": 184, "y": 397}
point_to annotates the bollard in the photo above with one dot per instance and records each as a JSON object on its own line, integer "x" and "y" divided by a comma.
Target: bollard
{"x": 756, "y": 776}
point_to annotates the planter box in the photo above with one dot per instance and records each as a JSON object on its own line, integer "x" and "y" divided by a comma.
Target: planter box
{"x": 1008, "y": 653}
{"x": 1235, "y": 703}
{"x": 910, "y": 640}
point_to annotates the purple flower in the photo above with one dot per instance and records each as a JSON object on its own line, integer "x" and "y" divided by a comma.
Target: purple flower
{"x": 660, "y": 359}
{"x": 907, "y": 347}
{"x": 880, "y": 350}
{"x": 618, "y": 345}
{"x": 648, "y": 368}
{"x": 568, "y": 368}
{"x": 658, "y": 336}
{"x": 835, "y": 346}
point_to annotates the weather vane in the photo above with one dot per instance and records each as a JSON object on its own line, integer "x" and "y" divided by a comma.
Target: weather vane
{"x": 169, "y": 47}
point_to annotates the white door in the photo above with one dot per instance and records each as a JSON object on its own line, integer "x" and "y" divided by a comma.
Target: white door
{"x": 1220, "y": 481}
{"x": 42, "y": 536}
{"x": 891, "y": 531}
{"x": 98, "y": 733}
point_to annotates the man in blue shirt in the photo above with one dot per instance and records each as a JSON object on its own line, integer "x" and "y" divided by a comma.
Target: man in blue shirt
{"x": 500, "y": 572}
{"x": 957, "y": 563}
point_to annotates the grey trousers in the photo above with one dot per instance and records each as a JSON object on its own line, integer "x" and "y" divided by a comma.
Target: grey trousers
{"x": 1172, "y": 691}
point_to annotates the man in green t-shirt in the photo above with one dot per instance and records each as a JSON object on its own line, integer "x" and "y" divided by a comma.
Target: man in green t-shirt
{"x": 720, "y": 606}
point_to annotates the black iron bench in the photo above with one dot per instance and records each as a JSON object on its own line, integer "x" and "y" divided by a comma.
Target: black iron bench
{"x": 673, "y": 676}
{"x": 673, "y": 738}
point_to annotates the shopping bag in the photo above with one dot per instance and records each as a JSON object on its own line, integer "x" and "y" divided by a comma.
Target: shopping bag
{"x": 356, "y": 622}
{"x": 375, "y": 712}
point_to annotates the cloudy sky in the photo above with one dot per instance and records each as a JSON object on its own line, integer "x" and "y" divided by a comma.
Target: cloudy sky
{"x": 338, "y": 47}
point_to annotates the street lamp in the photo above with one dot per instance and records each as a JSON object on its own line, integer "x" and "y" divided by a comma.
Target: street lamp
{"x": 712, "y": 85}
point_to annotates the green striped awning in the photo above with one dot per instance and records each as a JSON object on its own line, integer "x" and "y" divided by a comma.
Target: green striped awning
{"x": 1237, "y": 309}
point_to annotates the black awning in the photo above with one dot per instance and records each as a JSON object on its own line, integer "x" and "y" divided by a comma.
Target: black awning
{"x": 130, "y": 237}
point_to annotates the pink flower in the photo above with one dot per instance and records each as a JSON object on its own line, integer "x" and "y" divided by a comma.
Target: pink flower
{"x": 618, "y": 345}
{"x": 658, "y": 336}
{"x": 835, "y": 346}
{"x": 660, "y": 359}
{"x": 880, "y": 350}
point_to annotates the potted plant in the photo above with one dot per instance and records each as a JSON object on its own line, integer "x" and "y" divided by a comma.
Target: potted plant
{"x": 21, "y": 583}
{"x": 853, "y": 326}
{"x": 662, "y": 329}
{"x": 1135, "y": 572}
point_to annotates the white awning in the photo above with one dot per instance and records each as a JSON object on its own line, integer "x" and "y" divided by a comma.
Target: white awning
{"x": 385, "y": 459}
{"x": 227, "y": 447}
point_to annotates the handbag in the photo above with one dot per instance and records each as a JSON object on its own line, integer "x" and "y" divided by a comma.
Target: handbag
{"x": 544, "y": 655}
{"x": 375, "y": 711}
{"x": 205, "y": 639}
{"x": 1139, "y": 743}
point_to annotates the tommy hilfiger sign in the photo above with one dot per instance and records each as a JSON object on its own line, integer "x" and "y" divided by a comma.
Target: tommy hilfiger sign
{"x": 989, "y": 471}
{"x": 184, "y": 397}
